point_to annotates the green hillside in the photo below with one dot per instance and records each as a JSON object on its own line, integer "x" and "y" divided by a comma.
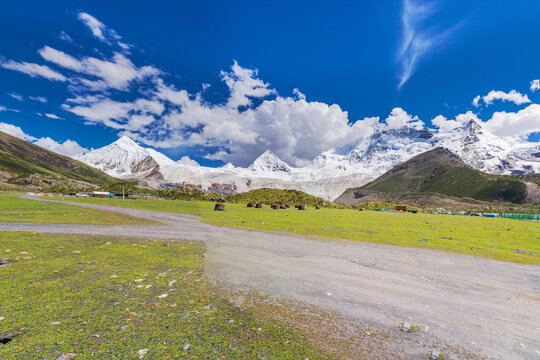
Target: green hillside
{"x": 21, "y": 159}
{"x": 441, "y": 172}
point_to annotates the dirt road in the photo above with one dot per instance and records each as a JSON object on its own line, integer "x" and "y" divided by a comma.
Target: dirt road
{"x": 485, "y": 307}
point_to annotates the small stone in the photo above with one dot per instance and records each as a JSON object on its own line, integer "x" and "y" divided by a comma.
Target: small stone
{"x": 138, "y": 280}
{"x": 186, "y": 347}
{"x": 162, "y": 296}
{"x": 75, "y": 252}
{"x": 113, "y": 276}
{"x": 435, "y": 355}
{"x": 329, "y": 293}
{"x": 123, "y": 327}
{"x": 148, "y": 286}
{"x": 142, "y": 352}
{"x": 406, "y": 327}
{"x": 56, "y": 323}
{"x": 171, "y": 283}
{"x": 24, "y": 253}
{"x": 66, "y": 356}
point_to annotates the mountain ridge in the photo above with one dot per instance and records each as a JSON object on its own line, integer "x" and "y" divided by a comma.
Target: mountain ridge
{"x": 332, "y": 171}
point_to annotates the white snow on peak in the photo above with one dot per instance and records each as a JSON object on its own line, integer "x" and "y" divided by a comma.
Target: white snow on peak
{"x": 125, "y": 158}
{"x": 269, "y": 162}
{"x": 332, "y": 171}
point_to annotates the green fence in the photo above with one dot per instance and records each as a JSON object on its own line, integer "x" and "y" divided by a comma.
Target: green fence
{"x": 521, "y": 216}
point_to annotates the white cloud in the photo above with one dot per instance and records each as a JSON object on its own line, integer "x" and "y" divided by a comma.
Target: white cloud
{"x": 535, "y": 85}
{"x": 513, "y": 96}
{"x": 15, "y": 131}
{"x": 244, "y": 84}
{"x": 65, "y": 37}
{"x": 443, "y": 123}
{"x": 33, "y": 70}
{"x": 185, "y": 160}
{"x": 16, "y": 96}
{"x": 102, "y": 32}
{"x": 69, "y": 147}
{"x": 53, "y": 116}
{"x": 476, "y": 101}
{"x": 3, "y": 108}
{"x": 38, "y": 98}
{"x": 116, "y": 73}
{"x": 418, "y": 40}
{"x": 523, "y": 122}
{"x": 399, "y": 118}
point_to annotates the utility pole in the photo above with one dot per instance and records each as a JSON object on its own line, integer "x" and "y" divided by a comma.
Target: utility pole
{"x": 123, "y": 194}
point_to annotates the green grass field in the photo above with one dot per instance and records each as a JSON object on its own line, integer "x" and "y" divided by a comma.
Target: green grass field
{"x": 113, "y": 298}
{"x": 15, "y": 209}
{"x": 500, "y": 239}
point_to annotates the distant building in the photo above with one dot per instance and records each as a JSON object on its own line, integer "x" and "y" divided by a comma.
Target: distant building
{"x": 102, "y": 194}
{"x": 401, "y": 207}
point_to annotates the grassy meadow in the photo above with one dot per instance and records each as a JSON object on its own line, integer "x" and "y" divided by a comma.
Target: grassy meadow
{"x": 500, "y": 239}
{"x": 15, "y": 209}
{"x": 115, "y": 298}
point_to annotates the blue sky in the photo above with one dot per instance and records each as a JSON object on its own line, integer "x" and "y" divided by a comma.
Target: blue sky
{"x": 222, "y": 81}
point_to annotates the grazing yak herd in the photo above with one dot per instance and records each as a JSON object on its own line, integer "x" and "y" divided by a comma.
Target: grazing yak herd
{"x": 220, "y": 205}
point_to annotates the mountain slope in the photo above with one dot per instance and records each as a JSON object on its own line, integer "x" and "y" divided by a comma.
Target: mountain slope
{"x": 19, "y": 159}
{"x": 442, "y": 172}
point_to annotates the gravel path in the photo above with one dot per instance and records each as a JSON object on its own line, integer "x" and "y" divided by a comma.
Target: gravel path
{"x": 486, "y": 307}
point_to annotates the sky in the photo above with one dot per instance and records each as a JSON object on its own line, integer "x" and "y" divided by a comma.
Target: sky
{"x": 222, "y": 81}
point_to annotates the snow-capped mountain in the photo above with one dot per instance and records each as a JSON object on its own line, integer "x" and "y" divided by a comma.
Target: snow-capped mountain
{"x": 476, "y": 146}
{"x": 124, "y": 159}
{"x": 268, "y": 162}
{"x": 331, "y": 172}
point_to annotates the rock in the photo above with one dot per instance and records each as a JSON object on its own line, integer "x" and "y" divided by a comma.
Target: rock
{"x": 301, "y": 207}
{"x": 162, "y": 296}
{"x": 283, "y": 206}
{"x": 251, "y": 204}
{"x": 219, "y": 206}
{"x": 186, "y": 347}
{"x": 222, "y": 200}
{"x": 259, "y": 206}
{"x": 436, "y": 355}
{"x": 317, "y": 207}
{"x": 56, "y": 323}
{"x": 517, "y": 251}
{"x": 275, "y": 206}
{"x": 142, "y": 352}
{"x": 3, "y": 262}
{"x": 66, "y": 356}
{"x": 406, "y": 327}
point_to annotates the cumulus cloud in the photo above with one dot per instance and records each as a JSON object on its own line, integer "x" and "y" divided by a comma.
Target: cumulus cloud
{"x": 33, "y": 70}
{"x": 418, "y": 39}
{"x": 399, "y": 118}
{"x": 443, "y": 123}
{"x": 69, "y": 147}
{"x": 523, "y": 122}
{"x": 535, "y": 85}
{"x": 512, "y": 96}
{"x": 476, "y": 101}
{"x": 244, "y": 84}
{"x": 15, "y": 131}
